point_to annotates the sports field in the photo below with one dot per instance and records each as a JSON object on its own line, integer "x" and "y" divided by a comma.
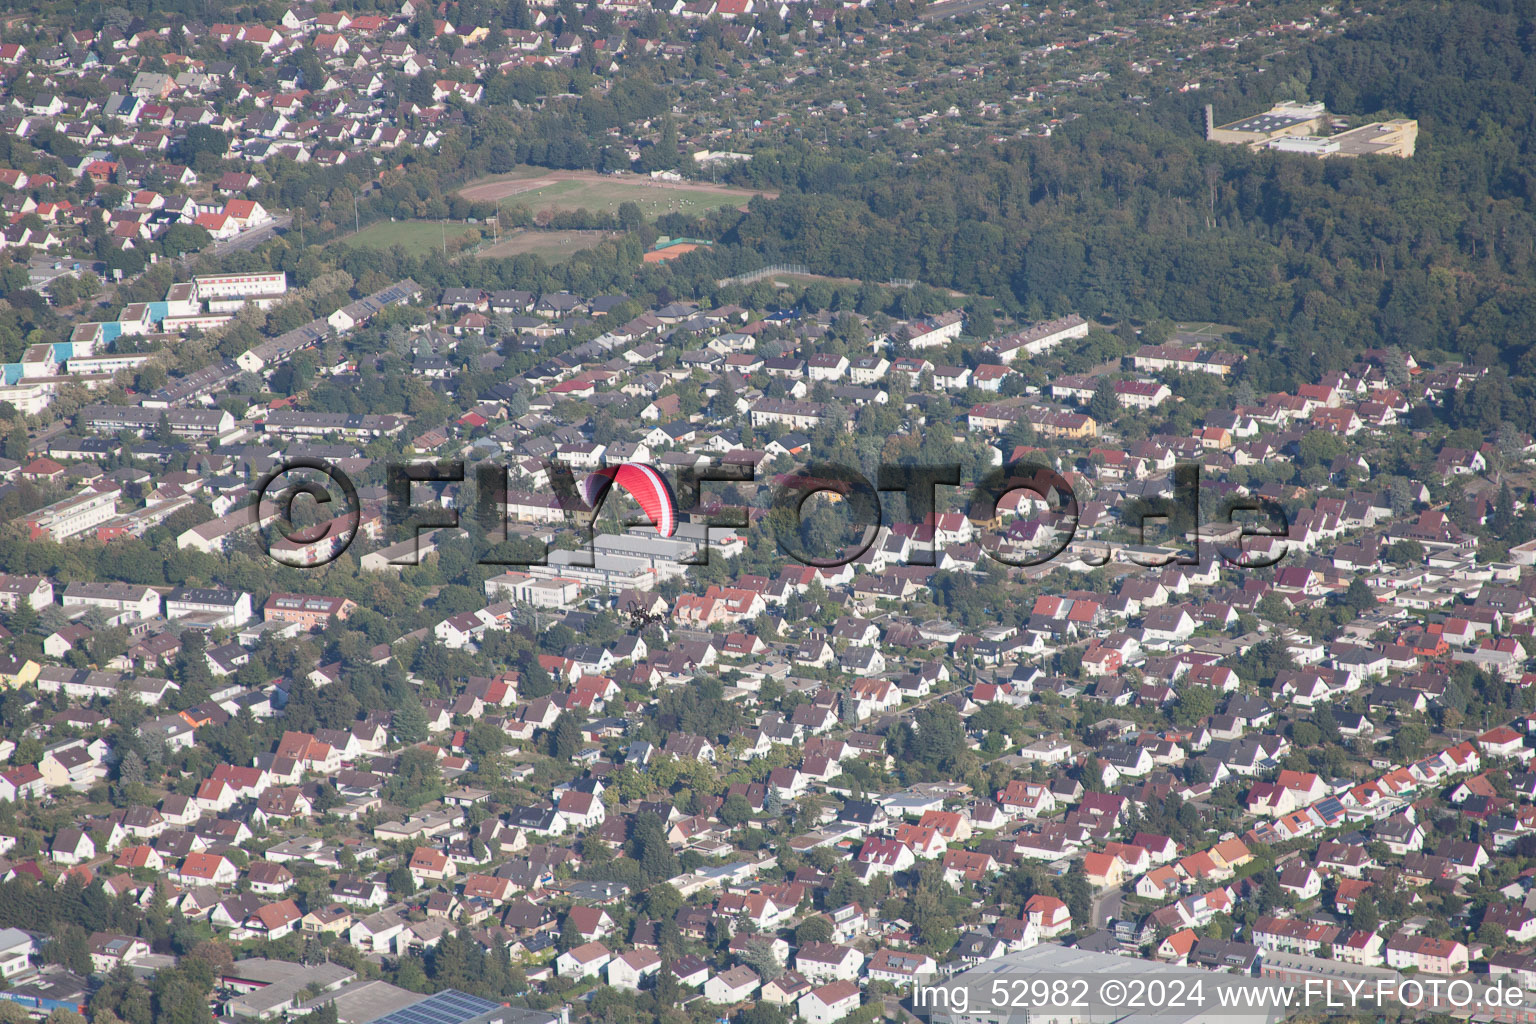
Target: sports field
{"x": 1215, "y": 331}
{"x": 551, "y": 246}
{"x": 417, "y": 237}
{"x": 544, "y": 191}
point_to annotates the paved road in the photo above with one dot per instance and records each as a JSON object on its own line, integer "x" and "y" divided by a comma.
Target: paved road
{"x": 1106, "y": 907}
{"x": 248, "y": 240}
{"x": 38, "y": 445}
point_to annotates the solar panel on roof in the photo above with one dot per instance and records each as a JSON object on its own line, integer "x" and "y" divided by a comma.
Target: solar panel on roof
{"x": 447, "y": 1007}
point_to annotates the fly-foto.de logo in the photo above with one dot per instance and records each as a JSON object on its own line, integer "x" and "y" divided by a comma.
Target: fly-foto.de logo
{"x": 1043, "y": 505}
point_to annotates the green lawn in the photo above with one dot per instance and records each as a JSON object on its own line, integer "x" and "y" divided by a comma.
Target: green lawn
{"x": 1215, "y": 330}
{"x": 567, "y": 191}
{"x": 551, "y": 246}
{"x": 417, "y": 237}
{"x": 605, "y": 197}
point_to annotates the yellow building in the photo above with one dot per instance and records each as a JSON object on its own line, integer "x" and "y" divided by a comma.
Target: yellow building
{"x": 1397, "y": 137}
{"x": 18, "y": 672}
{"x": 1294, "y": 128}
{"x": 1279, "y": 121}
{"x": 1072, "y": 425}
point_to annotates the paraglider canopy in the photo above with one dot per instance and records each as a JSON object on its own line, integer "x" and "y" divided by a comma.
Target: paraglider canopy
{"x": 644, "y": 484}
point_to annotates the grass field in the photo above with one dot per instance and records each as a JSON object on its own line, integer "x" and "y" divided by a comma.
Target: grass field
{"x": 787, "y": 280}
{"x": 544, "y": 192}
{"x": 551, "y": 246}
{"x": 1214, "y": 330}
{"x": 417, "y": 237}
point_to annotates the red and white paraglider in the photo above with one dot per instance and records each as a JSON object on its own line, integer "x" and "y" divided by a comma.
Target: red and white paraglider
{"x": 644, "y": 484}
